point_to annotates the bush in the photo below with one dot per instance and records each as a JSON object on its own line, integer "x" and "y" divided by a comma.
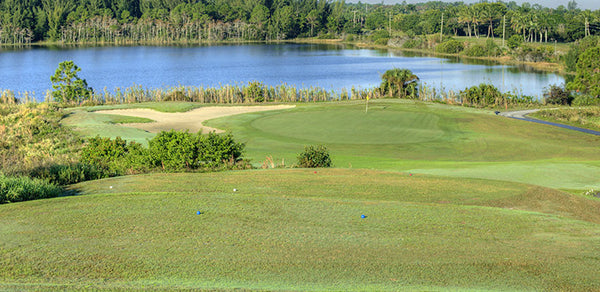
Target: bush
{"x": 214, "y": 150}
{"x": 18, "y": 189}
{"x": 491, "y": 48}
{"x": 587, "y": 79}
{"x": 401, "y": 83}
{"x": 415, "y": 43}
{"x": 69, "y": 174}
{"x": 586, "y": 100}
{"x": 557, "y": 95}
{"x": 514, "y": 42}
{"x": 450, "y": 47}
{"x": 314, "y": 156}
{"x": 173, "y": 150}
{"x": 475, "y": 51}
{"x": 254, "y": 92}
{"x": 482, "y": 95}
{"x": 380, "y": 37}
{"x": 114, "y": 157}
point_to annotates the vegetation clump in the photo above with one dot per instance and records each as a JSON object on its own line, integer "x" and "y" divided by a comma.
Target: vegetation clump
{"x": 450, "y": 47}
{"x": 401, "y": 83}
{"x": 314, "y": 157}
{"x": 482, "y": 95}
{"x": 18, "y": 189}
{"x": 68, "y": 86}
{"x": 587, "y": 79}
{"x": 558, "y": 95}
{"x": 167, "y": 151}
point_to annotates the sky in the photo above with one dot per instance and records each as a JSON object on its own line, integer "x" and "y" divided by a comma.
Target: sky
{"x": 582, "y": 4}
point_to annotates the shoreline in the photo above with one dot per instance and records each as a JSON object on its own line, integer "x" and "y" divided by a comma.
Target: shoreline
{"x": 503, "y": 60}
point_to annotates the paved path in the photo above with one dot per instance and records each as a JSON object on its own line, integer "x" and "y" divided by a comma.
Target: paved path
{"x": 522, "y": 115}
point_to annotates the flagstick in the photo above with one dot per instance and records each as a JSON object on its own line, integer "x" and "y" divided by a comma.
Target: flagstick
{"x": 367, "y": 105}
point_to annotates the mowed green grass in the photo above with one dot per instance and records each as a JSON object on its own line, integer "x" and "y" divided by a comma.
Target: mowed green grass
{"x": 295, "y": 229}
{"x": 424, "y": 138}
{"x": 399, "y": 135}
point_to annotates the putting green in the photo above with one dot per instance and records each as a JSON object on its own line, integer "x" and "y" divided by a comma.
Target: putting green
{"x": 354, "y": 126}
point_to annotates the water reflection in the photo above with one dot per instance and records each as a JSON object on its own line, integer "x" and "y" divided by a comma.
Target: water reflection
{"x": 329, "y": 66}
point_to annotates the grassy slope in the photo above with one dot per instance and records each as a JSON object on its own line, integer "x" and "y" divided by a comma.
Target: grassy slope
{"x": 284, "y": 230}
{"x": 425, "y": 138}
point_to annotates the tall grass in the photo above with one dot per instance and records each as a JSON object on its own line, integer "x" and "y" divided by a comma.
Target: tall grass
{"x": 17, "y": 189}
{"x": 256, "y": 92}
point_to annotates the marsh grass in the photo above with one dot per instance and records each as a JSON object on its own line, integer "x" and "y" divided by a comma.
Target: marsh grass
{"x": 283, "y": 230}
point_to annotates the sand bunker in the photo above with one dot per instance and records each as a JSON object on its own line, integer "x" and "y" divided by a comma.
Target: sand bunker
{"x": 191, "y": 120}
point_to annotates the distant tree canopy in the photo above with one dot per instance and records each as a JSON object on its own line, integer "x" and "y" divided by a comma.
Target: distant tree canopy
{"x": 123, "y": 21}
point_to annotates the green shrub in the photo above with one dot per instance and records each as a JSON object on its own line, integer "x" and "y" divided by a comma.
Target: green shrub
{"x": 214, "y": 150}
{"x": 450, "y": 47}
{"x": 18, "y": 189}
{"x": 586, "y": 100}
{"x": 414, "y": 43}
{"x": 380, "y": 37}
{"x": 174, "y": 150}
{"x": 491, "y": 48}
{"x": 482, "y": 95}
{"x": 557, "y": 95}
{"x": 314, "y": 156}
{"x": 475, "y": 51}
{"x": 587, "y": 79}
{"x": 401, "y": 83}
{"x": 114, "y": 157}
{"x": 69, "y": 174}
{"x": 254, "y": 92}
{"x": 514, "y": 41}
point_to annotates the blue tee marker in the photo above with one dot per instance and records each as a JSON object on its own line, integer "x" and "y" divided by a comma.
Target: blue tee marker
{"x": 198, "y": 213}
{"x": 363, "y": 216}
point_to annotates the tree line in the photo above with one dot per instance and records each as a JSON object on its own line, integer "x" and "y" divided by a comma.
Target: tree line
{"x": 159, "y": 21}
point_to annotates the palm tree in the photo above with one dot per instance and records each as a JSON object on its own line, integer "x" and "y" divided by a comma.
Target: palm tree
{"x": 399, "y": 82}
{"x": 464, "y": 16}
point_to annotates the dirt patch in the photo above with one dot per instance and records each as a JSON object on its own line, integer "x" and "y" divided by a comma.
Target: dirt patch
{"x": 191, "y": 120}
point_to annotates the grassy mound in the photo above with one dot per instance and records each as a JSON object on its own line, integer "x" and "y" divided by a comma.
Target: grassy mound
{"x": 282, "y": 229}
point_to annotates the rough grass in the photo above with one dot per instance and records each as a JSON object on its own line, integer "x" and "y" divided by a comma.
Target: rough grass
{"x": 117, "y": 119}
{"x": 584, "y": 117}
{"x": 282, "y": 230}
{"x": 89, "y": 124}
{"x": 165, "y": 107}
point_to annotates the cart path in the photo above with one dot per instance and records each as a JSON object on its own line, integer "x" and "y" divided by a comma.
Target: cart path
{"x": 522, "y": 115}
{"x": 190, "y": 120}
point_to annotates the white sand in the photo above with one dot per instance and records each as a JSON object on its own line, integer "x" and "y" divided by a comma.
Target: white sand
{"x": 191, "y": 120}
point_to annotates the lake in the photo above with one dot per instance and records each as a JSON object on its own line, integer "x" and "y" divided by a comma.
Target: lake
{"x": 303, "y": 65}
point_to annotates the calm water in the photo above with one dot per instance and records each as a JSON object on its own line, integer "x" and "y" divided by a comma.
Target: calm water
{"x": 330, "y": 67}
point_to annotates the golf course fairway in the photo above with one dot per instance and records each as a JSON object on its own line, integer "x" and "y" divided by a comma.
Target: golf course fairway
{"x": 302, "y": 230}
